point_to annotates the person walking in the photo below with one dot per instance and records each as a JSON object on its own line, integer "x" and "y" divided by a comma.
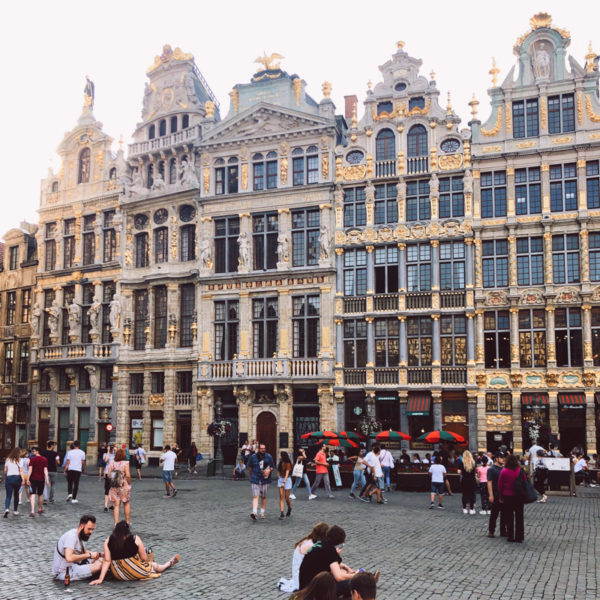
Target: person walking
{"x": 192, "y": 458}
{"x": 300, "y": 467}
{"x": 53, "y": 459}
{"x": 260, "y": 466}
{"x": 109, "y": 457}
{"x": 540, "y": 476}
{"x": 512, "y": 505}
{"x": 25, "y": 482}
{"x": 13, "y": 477}
{"x": 140, "y": 455}
{"x": 74, "y": 467}
{"x": 358, "y": 472}
{"x": 492, "y": 482}
{"x": 38, "y": 476}
{"x": 120, "y": 486}
{"x": 387, "y": 463}
{"x": 321, "y": 466}
{"x": 438, "y": 474}
{"x": 467, "y": 482}
{"x": 168, "y": 460}
{"x": 284, "y": 482}
{"x": 481, "y": 472}
{"x": 375, "y": 486}
{"x": 101, "y": 465}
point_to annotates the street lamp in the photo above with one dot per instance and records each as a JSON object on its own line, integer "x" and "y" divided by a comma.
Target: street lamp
{"x": 219, "y": 456}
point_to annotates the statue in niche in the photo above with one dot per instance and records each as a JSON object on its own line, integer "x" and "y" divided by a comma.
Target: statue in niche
{"x": 205, "y": 253}
{"x": 137, "y": 185}
{"x": 94, "y": 314}
{"x": 74, "y": 318}
{"x": 93, "y": 374}
{"x": 187, "y": 176}
{"x": 146, "y": 101}
{"x": 468, "y": 182}
{"x": 52, "y": 379}
{"x": 53, "y": 316}
{"x": 541, "y": 61}
{"x": 324, "y": 242}
{"x": 115, "y": 312}
{"x": 190, "y": 88}
{"x": 282, "y": 248}
{"x": 434, "y": 186}
{"x": 244, "y": 245}
{"x": 35, "y": 320}
{"x": 159, "y": 183}
{"x": 118, "y": 220}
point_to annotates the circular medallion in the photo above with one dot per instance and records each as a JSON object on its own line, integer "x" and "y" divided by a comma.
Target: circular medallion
{"x": 355, "y": 157}
{"x": 167, "y": 97}
{"x": 160, "y": 216}
{"x": 187, "y": 213}
{"x": 140, "y": 222}
{"x": 450, "y": 146}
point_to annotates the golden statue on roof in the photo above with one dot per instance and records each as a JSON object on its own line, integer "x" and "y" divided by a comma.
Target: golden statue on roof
{"x": 268, "y": 62}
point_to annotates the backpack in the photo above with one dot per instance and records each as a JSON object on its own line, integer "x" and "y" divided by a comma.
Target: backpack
{"x": 116, "y": 479}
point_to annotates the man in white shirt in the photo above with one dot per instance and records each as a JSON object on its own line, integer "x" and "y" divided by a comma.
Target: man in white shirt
{"x": 582, "y": 470}
{"x": 168, "y": 460}
{"x": 74, "y": 467}
{"x": 387, "y": 464}
{"x": 533, "y": 456}
{"x": 438, "y": 473}
{"x": 374, "y": 468}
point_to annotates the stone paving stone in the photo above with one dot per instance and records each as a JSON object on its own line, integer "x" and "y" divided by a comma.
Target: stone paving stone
{"x": 226, "y": 556}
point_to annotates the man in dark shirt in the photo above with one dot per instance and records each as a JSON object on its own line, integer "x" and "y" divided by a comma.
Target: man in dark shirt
{"x": 53, "y": 461}
{"x": 325, "y": 556}
{"x": 492, "y": 477}
{"x": 363, "y": 586}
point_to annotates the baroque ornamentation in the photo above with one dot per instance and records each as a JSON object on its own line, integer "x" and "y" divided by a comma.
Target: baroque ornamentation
{"x": 448, "y": 162}
{"x": 592, "y": 116}
{"x": 355, "y": 172}
{"x": 496, "y": 128}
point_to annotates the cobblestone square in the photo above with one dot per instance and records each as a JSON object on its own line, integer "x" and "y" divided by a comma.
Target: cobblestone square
{"x": 441, "y": 555}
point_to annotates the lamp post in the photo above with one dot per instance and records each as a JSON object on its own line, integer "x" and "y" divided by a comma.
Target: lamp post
{"x": 219, "y": 456}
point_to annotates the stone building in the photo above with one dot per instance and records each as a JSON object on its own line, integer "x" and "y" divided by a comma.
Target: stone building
{"x": 74, "y": 324}
{"x": 405, "y": 352}
{"x": 17, "y": 281}
{"x": 537, "y": 241}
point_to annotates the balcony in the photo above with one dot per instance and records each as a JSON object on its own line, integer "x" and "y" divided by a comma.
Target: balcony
{"x": 417, "y": 165}
{"x": 269, "y": 368}
{"x": 77, "y": 352}
{"x": 385, "y": 168}
{"x": 385, "y": 302}
{"x": 183, "y": 400}
{"x": 418, "y": 300}
{"x": 355, "y": 376}
{"x": 452, "y": 299}
{"x": 136, "y": 400}
{"x": 166, "y": 141}
{"x": 387, "y": 376}
{"x": 419, "y": 375}
{"x": 355, "y": 304}
{"x": 454, "y": 375}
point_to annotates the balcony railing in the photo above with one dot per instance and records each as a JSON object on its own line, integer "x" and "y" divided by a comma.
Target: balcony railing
{"x": 452, "y": 299}
{"x": 385, "y": 302}
{"x": 418, "y": 300}
{"x": 385, "y": 168}
{"x": 166, "y": 141}
{"x": 270, "y": 368}
{"x": 454, "y": 375}
{"x": 417, "y": 165}
{"x": 78, "y": 351}
{"x": 355, "y": 376}
{"x": 419, "y": 375}
{"x": 183, "y": 399}
{"x": 387, "y": 376}
{"x": 136, "y": 400}
{"x": 355, "y": 304}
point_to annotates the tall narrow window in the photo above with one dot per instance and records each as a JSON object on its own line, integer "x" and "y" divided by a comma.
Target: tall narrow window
{"x": 355, "y": 343}
{"x": 141, "y": 250}
{"x": 86, "y": 302}
{"x": 11, "y": 307}
{"x": 264, "y": 327}
{"x": 592, "y": 173}
{"x": 226, "y": 177}
{"x": 417, "y": 141}
{"x": 561, "y": 113}
{"x": 387, "y": 342}
{"x": 565, "y": 258}
{"x": 452, "y": 266}
{"x": 264, "y": 237}
{"x": 305, "y": 320}
{"x": 161, "y": 245}
{"x": 386, "y": 204}
{"x": 496, "y": 325}
{"x": 452, "y": 200}
{"x": 386, "y": 270}
{"x": 258, "y": 171}
{"x": 418, "y": 267}
{"x": 530, "y": 261}
{"x": 162, "y": 127}
{"x": 385, "y": 145}
{"x": 187, "y": 314}
{"x": 493, "y": 194}
{"x": 525, "y": 118}
{"x": 563, "y": 187}
{"x": 140, "y": 316}
{"x": 305, "y": 237}
{"x": 188, "y": 243}
{"x": 13, "y": 258}
{"x": 50, "y": 246}
{"x": 495, "y": 263}
{"x": 69, "y": 244}
{"x": 419, "y": 340}
{"x": 23, "y": 362}
{"x": 532, "y": 338}
{"x": 25, "y": 305}
{"x": 227, "y": 231}
{"x": 89, "y": 239}
{"x": 418, "y": 206}
{"x": 453, "y": 340}
{"x": 568, "y": 337}
{"x": 594, "y": 256}
{"x": 596, "y": 335}
{"x": 226, "y": 329}
{"x": 160, "y": 316}
{"x": 528, "y": 194}
{"x": 355, "y": 272}
{"x": 83, "y": 172}
{"x": 110, "y": 237}
{"x": 355, "y": 212}
{"x": 9, "y": 358}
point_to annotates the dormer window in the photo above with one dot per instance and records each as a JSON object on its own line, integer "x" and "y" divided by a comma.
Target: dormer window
{"x": 400, "y": 87}
{"x": 417, "y": 102}
{"x": 83, "y": 175}
{"x": 151, "y": 132}
{"x": 264, "y": 169}
{"x": 185, "y": 121}
{"x": 173, "y": 124}
{"x": 162, "y": 128}
{"x": 226, "y": 177}
{"x": 54, "y": 187}
{"x": 385, "y": 107}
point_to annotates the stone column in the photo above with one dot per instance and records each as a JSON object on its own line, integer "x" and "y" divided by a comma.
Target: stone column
{"x": 478, "y": 263}
{"x": 205, "y": 409}
{"x": 245, "y": 319}
{"x": 370, "y": 343}
{"x": 435, "y": 274}
{"x": 590, "y": 422}
{"x": 474, "y": 442}
{"x": 582, "y": 187}
{"x": 284, "y": 395}
{"x": 169, "y": 415}
{"x": 517, "y": 424}
{"x": 469, "y": 263}
{"x": 285, "y": 324}
{"x": 326, "y": 236}
{"x": 479, "y": 339}
{"x": 403, "y": 345}
{"x": 436, "y": 353}
{"x": 284, "y": 238}
{"x": 550, "y": 337}
{"x": 436, "y": 397}
{"x": 510, "y": 192}
{"x": 402, "y": 267}
{"x": 174, "y": 320}
{"x": 403, "y": 400}
{"x": 514, "y": 338}
{"x": 512, "y": 259}
{"x": 327, "y": 407}
{"x": 588, "y": 355}
{"x": 340, "y": 410}
{"x": 553, "y": 411}
{"x": 370, "y": 203}
{"x": 245, "y": 240}
{"x": 478, "y": 396}
{"x": 470, "y": 340}
{"x": 206, "y": 249}
{"x": 545, "y": 175}
{"x": 548, "y": 274}
{"x": 401, "y": 199}
{"x": 584, "y": 253}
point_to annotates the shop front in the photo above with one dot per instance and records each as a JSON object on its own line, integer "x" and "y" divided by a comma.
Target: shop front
{"x": 535, "y": 419}
{"x": 455, "y": 413}
{"x": 305, "y": 414}
{"x": 420, "y": 418}
{"x": 571, "y": 421}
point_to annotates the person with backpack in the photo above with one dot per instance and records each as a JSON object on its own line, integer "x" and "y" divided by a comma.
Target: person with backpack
{"x": 120, "y": 485}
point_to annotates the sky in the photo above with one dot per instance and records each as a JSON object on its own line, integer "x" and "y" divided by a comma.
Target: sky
{"x": 49, "y": 47}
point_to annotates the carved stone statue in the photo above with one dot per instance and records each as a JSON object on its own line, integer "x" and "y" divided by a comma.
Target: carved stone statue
{"x": 35, "y": 321}
{"x": 187, "y": 175}
{"x": 146, "y": 101}
{"x": 190, "y": 88}
{"x": 94, "y": 314}
{"x": 118, "y": 220}
{"x": 468, "y": 182}
{"x": 53, "y": 316}
{"x": 282, "y": 248}
{"x": 52, "y": 379}
{"x": 88, "y": 93}
{"x": 115, "y": 312}
{"x": 74, "y": 318}
{"x": 93, "y": 373}
{"x": 541, "y": 62}
{"x": 159, "y": 184}
{"x": 137, "y": 185}
{"x": 434, "y": 185}
{"x": 205, "y": 253}
{"x": 401, "y": 188}
{"x": 324, "y": 242}
{"x": 244, "y": 244}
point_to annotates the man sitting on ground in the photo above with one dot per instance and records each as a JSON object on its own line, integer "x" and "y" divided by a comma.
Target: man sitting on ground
{"x": 363, "y": 586}
{"x": 325, "y": 556}
{"x": 69, "y": 552}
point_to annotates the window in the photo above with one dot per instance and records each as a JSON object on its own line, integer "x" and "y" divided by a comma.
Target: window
{"x": 86, "y": 302}
{"x": 452, "y": 202}
{"x": 565, "y": 258}
{"x": 493, "y": 194}
{"x": 498, "y": 402}
{"x": 264, "y": 171}
{"x": 355, "y": 272}
{"x": 50, "y": 246}
{"x": 151, "y": 132}
{"x": 385, "y": 107}
{"x": 530, "y": 261}
{"x": 140, "y": 316}
{"x": 173, "y": 124}
{"x": 161, "y": 245}
{"x": 386, "y": 270}
{"x": 83, "y": 380}
{"x": 496, "y": 326}
{"x": 416, "y": 102}
{"x": 158, "y": 382}
{"x": 453, "y": 338}
{"x": 69, "y": 244}
{"x": 417, "y": 141}
{"x": 185, "y": 121}
{"x": 184, "y": 382}
{"x": 561, "y": 113}
{"x": 83, "y": 172}
{"x": 452, "y": 266}
{"x": 563, "y": 187}
{"x": 305, "y": 237}
{"x": 418, "y": 206}
{"x": 48, "y": 299}
{"x": 141, "y": 250}
{"x": 11, "y": 307}
{"x": 136, "y": 383}
{"x": 594, "y": 256}
{"x": 528, "y": 194}
{"x": 355, "y": 343}
{"x": 13, "y": 261}
{"x": 532, "y": 338}
{"x": 306, "y": 324}
{"x": 305, "y": 168}
{"x": 226, "y": 329}
{"x": 187, "y": 314}
{"x": 68, "y": 299}
{"x": 162, "y": 127}
{"x": 418, "y": 267}
{"x": 226, "y": 177}
{"x": 264, "y": 327}
{"x": 227, "y": 250}
{"x": 110, "y": 237}
{"x": 157, "y": 431}
{"x": 592, "y": 184}
{"x": 419, "y": 339}
{"x": 264, "y": 238}
{"x": 188, "y": 243}
{"x": 160, "y": 316}
{"x": 23, "y": 362}
{"x": 568, "y": 337}
{"x": 355, "y": 213}
{"x": 596, "y": 335}
{"x": 25, "y": 305}
{"x": 108, "y": 292}
{"x": 89, "y": 239}
{"x": 385, "y": 145}
{"x": 106, "y": 374}
{"x": 525, "y": 118}
{"x": 386, "y": 204}
{"x": 495, "y": 263}
{"x": 9, "y": 358}
{"x": 387, "y": 342}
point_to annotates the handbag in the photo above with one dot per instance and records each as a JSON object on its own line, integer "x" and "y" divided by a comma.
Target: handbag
{"x": 298, "y": 470}
{"x": 524, "y": 491}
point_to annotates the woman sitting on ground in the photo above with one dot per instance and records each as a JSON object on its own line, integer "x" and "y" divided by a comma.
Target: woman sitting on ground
{"x": 322, "y": 587}
{"x": 127, "y": 558}
{"x": 300, "y": 549}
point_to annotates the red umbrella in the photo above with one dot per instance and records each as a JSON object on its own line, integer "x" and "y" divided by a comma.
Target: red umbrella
{"x": 434, "y": 437}
{"x": 340, "y": 442}
{"x": 391, "y": 436}
{"x": 319, "y": 434}
{"x": 352, "y": 435}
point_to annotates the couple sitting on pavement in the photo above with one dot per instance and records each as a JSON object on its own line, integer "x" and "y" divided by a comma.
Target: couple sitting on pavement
{"x": 363, "y": 586}
{"x": 124, "y": 554}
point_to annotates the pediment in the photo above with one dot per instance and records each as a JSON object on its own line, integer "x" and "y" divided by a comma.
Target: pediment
{"x": 262, "y": 121}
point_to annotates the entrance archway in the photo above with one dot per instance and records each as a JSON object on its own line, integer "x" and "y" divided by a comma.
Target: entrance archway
{"x": 266, "y": 432}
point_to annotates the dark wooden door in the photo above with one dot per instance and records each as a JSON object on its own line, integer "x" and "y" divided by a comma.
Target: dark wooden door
{"x": 266, "y": 432}
{"x": 184, "y": 434}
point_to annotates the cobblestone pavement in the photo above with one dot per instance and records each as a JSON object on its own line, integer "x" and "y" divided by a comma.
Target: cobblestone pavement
{"x": 439, "y": 555}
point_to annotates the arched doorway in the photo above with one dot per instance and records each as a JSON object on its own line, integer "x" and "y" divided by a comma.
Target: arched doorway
{"x": 266, "y": 432}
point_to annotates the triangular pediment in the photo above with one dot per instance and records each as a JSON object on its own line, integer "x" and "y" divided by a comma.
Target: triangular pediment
{"x": 264, "y": 120}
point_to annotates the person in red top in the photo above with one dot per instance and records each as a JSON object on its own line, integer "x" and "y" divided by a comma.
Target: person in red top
{"x": 37, "y": 475}
{"x": 512, "y": 505}
{"x": 322, "y": 474}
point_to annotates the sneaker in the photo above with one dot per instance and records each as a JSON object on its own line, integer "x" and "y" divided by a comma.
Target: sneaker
{"x": 364, "y": 499}
{"x": 289, "y": 511}
{"x": 483, "y": 512}
{"x": 441, "y": 506}
{"x": 472, "y": 511}
{"x": 262, "y": 515}
{"x": 69, "y": 497}
{"x": 111, "y": 508}
{"x": 312, "y": 496}
{"x": 74, "y": 501}
{"x": 6, "y": 513}
{"x": 431, "y": 506}
{"x": 292, "y": 497}
{"x": 465, "y": 511}
{"x": 281, "y": 516}
{"x": 15, "y": 512}
{"x": 488, "y": 512}
{"x": 352, "y": 496}
{"x": 253, "y": 516}
{"x": 331, "y": 496}
{"x": 174, "y": 493}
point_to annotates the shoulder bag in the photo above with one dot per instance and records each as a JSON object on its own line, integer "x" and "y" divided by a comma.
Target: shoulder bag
{"x": 298, "y": 469}
{"x": 524, "y": 491}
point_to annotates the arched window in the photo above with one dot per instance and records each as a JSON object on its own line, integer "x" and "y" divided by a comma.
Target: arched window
{"x": 385, "y": 148}
{"x": 162, "y": 128}
{"x": 161, "y": 169}
{"x": 172, "y": 171}
{"x": 112, "y": 174}
{"x": 84, "y": 166}
{"x": 54, "y": 187}
{"x": 151, "y": 132}
{"x": 173, "y": 124}
{"x": 150, "y": 175}
{"x": 185, "y": 121}
{"x": 417, "y": 141}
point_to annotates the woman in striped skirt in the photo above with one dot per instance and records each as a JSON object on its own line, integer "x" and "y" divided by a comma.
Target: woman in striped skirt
{"x": 128, "y": 560}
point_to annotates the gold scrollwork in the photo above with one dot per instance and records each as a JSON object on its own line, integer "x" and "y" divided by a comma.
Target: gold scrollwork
{"x": 420, "y": 111}
{"x": 496, "y": 128}
{"x": 562, "y": 140}
{"x": 447, "y": 162}
{"x": 206, "y": 179}
{"x": 508, "y": 118}
{"x": 284, "y": 170}
{"x": 592, "y": 116}
{"x": 245, "y": 176}
{"x": 580, "y": 108}
{"x": 488, "y": 149}
{"x": 355, "y": 172}
{"x": 325, "y": 165}
{"x": 526, "y": 144}
{"x": 544, "y": 112}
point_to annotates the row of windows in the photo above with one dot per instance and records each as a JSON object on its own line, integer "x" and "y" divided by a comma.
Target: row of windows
{"x": 561, "y": 116}
{"x": 16, "y": 362}
{"x": 82, "y": 379}
{"x": 10, "y": 310}
{"x": 173, "y": 123}
{"x": 187, "y": 245}
{"x": 184, "y": 381}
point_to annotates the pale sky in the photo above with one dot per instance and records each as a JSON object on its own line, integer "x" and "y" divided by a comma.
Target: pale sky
{"x": 47, "y": 48}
